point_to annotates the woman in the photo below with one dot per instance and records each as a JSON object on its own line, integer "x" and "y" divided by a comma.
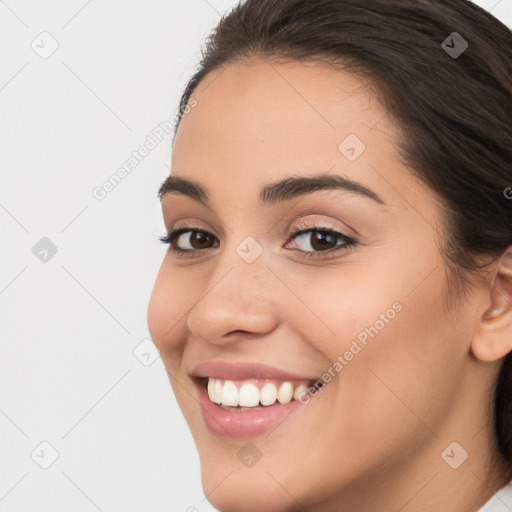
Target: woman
{"x": 335, "y": 307}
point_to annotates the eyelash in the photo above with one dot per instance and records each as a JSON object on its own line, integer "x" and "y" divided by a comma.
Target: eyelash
{"x": 349, "y": 243}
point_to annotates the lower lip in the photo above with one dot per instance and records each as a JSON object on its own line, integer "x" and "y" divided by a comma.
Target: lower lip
{"x": 246, "y": 424}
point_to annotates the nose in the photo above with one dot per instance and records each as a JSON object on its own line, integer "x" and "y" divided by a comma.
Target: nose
{"x": 238, "y": 300}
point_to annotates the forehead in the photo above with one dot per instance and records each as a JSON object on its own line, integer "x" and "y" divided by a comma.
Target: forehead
{"x": 259, "y": 121}
{"x": 283, "y": 102}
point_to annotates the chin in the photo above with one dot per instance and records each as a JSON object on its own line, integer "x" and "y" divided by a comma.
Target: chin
{"x": 245, "y": 491}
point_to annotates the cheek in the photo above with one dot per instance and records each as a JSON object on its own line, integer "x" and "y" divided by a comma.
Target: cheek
{"x": 170, "y": 300}
{"x": 340, "y": 305}
{"x": 406, "y": 371}
{"x": 397, "y": 343}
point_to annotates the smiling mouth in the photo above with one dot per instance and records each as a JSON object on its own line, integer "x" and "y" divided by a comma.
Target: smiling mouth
{"x": 253, "y": 394}
{"x": 246, "y": 406}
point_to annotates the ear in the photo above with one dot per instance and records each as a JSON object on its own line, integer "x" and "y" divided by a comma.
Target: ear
{"x": 493, "y": 336}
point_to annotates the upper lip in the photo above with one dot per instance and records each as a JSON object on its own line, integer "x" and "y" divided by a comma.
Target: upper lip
{"x": 240, "y": 371}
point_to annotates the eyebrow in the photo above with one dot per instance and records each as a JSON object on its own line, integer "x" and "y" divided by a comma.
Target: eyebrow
{"x": 272, "y": 193}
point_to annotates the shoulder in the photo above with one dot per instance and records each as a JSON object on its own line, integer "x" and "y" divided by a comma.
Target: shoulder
{"x": 501, "y": 501}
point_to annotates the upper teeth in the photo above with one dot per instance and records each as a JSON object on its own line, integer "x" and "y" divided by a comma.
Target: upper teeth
{"x": 227, "y": 392}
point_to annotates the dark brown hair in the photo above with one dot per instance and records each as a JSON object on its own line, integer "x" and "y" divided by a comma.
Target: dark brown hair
{"x": 454, "y": 111}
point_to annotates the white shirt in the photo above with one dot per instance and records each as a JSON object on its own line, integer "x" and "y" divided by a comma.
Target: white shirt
{"x": 500, "y": 502}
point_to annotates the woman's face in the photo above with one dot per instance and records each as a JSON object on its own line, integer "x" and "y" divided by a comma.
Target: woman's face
{"x": 369, "y": 319}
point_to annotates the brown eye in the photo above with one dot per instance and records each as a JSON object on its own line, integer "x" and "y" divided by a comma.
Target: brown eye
{"x": 319, "y": 240}
{"x": 196, "y": 240}
{"x": 322, "y": 241}
{"x": 199, "y": 240}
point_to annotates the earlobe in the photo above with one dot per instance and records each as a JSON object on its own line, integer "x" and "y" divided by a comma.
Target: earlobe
{"x": 492, "y": 339}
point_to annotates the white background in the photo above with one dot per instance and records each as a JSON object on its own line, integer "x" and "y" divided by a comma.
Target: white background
{"x": 69, "y": 326}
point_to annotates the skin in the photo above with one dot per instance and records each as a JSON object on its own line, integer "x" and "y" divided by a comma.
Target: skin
{"x": 372, "y": 439}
